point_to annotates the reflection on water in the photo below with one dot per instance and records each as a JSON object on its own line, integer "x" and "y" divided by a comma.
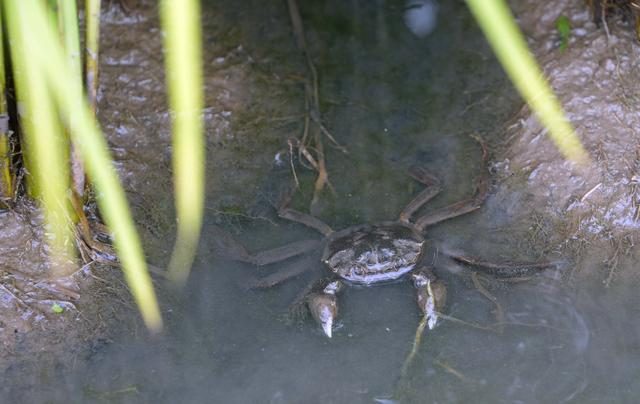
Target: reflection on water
{"x": 538, "y": 357}
{"x": 421, "y": 17}
{"x": 229, "y": 345}
{"x": 393, "y": 99}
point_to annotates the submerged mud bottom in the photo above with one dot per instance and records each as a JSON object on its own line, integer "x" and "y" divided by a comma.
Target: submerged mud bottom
{"x": 248, "y": 355}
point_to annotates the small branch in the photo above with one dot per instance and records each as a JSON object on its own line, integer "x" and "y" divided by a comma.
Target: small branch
{"x": 312, "y": 111}
{"x": 492, "y": 298}
{"x": 414, "y": 348}
{"x": 448, "y": 368}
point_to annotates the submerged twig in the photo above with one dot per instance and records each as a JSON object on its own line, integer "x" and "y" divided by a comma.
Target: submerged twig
{"x": 453, "y": 371}
{"x": 15, "y": 297}
{"x": 312, "y": 112}
{"x": 591, "y": 191}
{"x": 505, "y": 269}
{"x": 328, "y": 134}
{"x": 111, "y": 395}
{"x": 416, "y": 344}
{"x": 472, "y": 325}
{"x": 293, "y": 168}
{"x": 612, "y": 263}
{"x": 492, "y": 298}
{"x": 97, "y": 250}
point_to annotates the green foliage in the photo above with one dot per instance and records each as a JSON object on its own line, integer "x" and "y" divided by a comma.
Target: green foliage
{"x": 57, "y": 309}
{"x": 51, "y": 95}
{"x": 182, "y": 44}
{"x": 43, "y": 141}
{"x": 49, "y": 86}
{"x": 564, "y": 29}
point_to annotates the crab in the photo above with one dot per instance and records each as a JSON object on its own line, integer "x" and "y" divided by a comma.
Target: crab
{"x": 370, "y": 254}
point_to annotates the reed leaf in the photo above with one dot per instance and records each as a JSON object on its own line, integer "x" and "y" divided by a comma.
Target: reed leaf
{"x": 92, "y": 43}
{"x": 512, "y": 51}
{"x": 6, "y": 180}
{"x": 43, "y": 140}
{"x": 30, "y": 29}
{"x": 181, "y": 24}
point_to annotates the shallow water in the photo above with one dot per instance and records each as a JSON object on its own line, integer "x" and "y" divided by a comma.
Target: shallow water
{"x": 393, "y": 100}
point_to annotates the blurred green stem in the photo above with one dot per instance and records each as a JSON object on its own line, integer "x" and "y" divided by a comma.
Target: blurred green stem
{"x": 31, "y": 30}
{"x": 92, "y": 43}
{"x": 43, "y": 140}
{"x": 6, "y": 181}
{"x": 510, "y": 47}
{"x": 68, "y": 28}
{"x": 563, "y": 26}
{"x": 182, "y": 43}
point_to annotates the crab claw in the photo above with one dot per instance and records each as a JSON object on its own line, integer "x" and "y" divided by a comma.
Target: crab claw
{"x": 431, "y": 294}
{"x": 324, "y": 306}
{"x": 324, "y": 309}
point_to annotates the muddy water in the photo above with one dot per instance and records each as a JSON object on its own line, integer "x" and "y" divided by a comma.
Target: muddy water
{"x": 392, "y": 99}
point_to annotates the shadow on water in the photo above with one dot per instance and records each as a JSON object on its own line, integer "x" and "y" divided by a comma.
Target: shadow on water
{"x": 393, "y": 99}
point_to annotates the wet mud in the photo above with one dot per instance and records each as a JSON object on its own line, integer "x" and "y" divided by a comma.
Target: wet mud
{"x": 590, "y": 213}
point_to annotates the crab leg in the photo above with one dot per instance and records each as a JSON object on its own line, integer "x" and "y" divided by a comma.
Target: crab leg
{"x": 223, "y": 243}
{"x": 298, "y": 307}
{"x": 283, "y": 274}
{"x": 282, "y": 253}
{"x": 466, "y": 206}
{"x": 306, "y": 219}
{"x": 228, "y": 246}
{"x": 506, "y": 269}
{"x": 324, "y": 306}
{"x": 291, "y": 214}
{"x": 432, "y": 189}
{"x": 431, "y": 294}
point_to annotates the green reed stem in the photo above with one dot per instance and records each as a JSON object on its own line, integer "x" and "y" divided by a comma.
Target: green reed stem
{"x": 92, "y": 47}
{"x": 68, "y": 28}
{"x": 6, "y": 180}
{"x": 182, "y": 43}
{"x": 31, "y": 30}
{"x": 44, "y": 143}
{"x": 512, "y": 51}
